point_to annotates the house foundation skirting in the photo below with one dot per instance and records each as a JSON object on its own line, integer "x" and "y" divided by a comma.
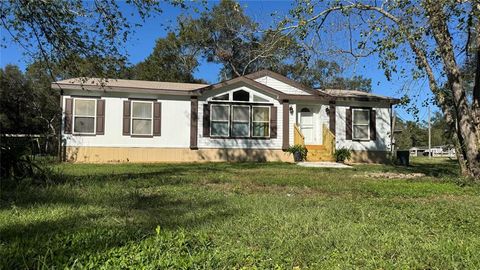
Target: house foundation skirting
{"x": 84, "y": 154}
{"x": 369, "y": 156}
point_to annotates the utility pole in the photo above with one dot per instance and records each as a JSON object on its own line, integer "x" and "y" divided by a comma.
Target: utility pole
{"x": 429, "y": 135}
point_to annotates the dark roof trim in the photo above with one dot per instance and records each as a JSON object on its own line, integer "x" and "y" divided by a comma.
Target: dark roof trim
{"x": 61, "y": 86}
{"x": 266, "y": 72}
{"x": 378, "y": 99}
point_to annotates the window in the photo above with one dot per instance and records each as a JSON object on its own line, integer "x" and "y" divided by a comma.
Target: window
{"x": 258, "y": 99}
{"x": 84, "y": 112}
{"x": 240, "y": 121}
{"x": 241, "y": 95}
{"x": 222, "y": 97}
{"x": 261, "y": 121}
{"x": 361, "y": 124}
{"x": 220, "y": 121}
{"x": 142, "y": 112}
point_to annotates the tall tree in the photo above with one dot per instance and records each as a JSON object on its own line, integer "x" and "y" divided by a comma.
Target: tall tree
{"x": 434, "y": 33}
{"x": 21, "y": 104}
{"x": 171, "y": 60}
{"x": 226, "y": 35}
{"x": 323, "y": 74}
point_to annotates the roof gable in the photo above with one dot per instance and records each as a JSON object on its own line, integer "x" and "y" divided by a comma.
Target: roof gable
{"x": 243, "y": 81}
{"x": 293, "y": 86}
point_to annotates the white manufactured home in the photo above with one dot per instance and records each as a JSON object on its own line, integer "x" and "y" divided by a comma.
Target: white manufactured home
{"x": 253, "y": 117}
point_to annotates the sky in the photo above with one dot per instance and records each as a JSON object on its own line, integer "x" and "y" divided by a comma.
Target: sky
{"x": 142, "y": 42}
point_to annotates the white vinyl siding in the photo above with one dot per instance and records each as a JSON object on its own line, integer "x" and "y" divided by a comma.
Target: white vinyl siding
{"x": 383, "y": 128}
{"x": 281, "y": 86}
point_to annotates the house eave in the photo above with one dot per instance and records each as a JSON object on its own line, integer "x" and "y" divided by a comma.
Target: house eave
{"x": 119, "y": 89}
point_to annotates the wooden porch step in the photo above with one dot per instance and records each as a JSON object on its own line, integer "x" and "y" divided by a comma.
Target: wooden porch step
{"x": 315, "y": 147}
{"x": 318, "y": 153}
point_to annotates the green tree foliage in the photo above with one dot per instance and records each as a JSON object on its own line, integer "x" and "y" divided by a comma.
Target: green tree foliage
{"x": 60, "y": 31}
{"x": 225, "y": 35}
{"x": 324, "y": 74}
{"x": 415, "y": 134}
{"x": 17, "y": 114}
{"x": 171, "y": 60}
{"x": 28, "y": 105}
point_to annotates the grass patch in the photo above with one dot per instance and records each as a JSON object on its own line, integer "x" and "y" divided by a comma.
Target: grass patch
{"x": 235, "y": 215}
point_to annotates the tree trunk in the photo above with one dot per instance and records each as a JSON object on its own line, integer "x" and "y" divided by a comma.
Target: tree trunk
{"x": 466, "y": 129}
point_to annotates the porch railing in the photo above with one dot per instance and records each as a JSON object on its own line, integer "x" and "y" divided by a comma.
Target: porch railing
{"x": 298, "y": 137}
{"x": 328, "y": 140}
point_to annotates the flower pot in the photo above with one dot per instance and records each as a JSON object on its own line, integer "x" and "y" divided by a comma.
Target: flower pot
{"x": 297, "y": 156}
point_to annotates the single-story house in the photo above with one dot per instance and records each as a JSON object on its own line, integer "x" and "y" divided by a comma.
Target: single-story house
{"x": 253, "y": 117}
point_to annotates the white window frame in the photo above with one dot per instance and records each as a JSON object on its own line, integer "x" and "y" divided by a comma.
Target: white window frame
{"x": 211, "y": 120}
{"x": 75, "y": 115}
{"x": 268, "y": 122}
{"x": 248, "y": 120}
{"x": 141, "y": 118}
{"x": 353, "y": 125}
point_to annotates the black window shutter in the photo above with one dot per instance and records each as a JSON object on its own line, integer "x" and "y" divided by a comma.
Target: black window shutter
{"x": 273, "y": 122}
{"x": 126, "y": 117}
{"x": 348, "y": 122}
{"x": 373, "y": 125}
{"x": 100, "y": 117}
{"x": 157, "y": 118}
{"x": 67, "y": 128}
{"x": 206, "y": 120}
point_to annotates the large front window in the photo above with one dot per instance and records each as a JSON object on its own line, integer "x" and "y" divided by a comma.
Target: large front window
{"x": 142, "y": 116}
{"x": 361, "y": 124}
{"x": 240, "y": 121}
{"x": 84, "y": 111}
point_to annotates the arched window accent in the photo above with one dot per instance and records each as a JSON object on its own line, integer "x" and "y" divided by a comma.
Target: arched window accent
{"x": 305, "y": 110}
{"x": 241, "y": 95}
{"x": 221, "y": 97}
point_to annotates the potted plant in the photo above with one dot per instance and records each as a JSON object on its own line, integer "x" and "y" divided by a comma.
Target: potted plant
{"x": 342, "y": 154}
{"x": 299, "y": 152}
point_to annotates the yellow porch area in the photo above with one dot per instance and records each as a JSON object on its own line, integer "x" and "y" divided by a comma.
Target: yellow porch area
{"x": 320, "y": 152}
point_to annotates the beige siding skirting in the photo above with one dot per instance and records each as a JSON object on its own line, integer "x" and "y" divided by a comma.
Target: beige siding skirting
{"x": 369, "y": 156}
{"x": 141, "y": 154}
{"x": 132, "y": 154}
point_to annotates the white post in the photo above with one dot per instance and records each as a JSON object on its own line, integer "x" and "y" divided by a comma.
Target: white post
{"x": 429, "y": 135}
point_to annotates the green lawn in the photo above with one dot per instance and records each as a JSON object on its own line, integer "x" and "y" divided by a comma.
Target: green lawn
{"x": 243, "y": 215}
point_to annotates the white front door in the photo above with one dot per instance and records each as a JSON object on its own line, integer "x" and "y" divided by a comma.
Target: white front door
{"x": 307, "y": 125}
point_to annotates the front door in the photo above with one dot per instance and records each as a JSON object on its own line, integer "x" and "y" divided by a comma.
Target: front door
{"x": 307, "y": 125}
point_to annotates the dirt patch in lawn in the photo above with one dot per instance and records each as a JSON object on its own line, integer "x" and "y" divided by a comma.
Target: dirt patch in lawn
{"x": 391, "y": 175}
